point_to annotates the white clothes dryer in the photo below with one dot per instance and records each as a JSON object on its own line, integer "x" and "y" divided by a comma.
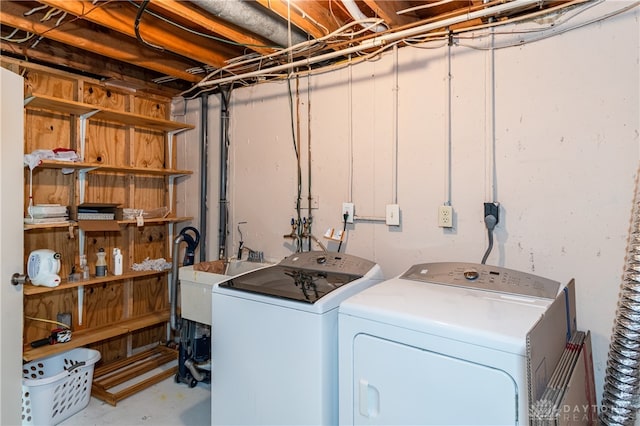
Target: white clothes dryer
{"x": 275, "y": 340}
{"x": 447, "y": 344}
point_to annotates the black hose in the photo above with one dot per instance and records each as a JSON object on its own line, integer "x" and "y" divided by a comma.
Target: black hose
{"x": 486, "y": 253}
{"x": 490, "y": 221}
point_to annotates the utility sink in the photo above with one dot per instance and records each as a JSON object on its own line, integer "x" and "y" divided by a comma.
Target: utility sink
{"x": 196, "y": 286}
{"x": 237, "y": 267}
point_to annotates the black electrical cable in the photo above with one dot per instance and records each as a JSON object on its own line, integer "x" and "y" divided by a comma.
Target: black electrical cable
{"x": 294, "y": 135}
{"x": 344, "y": 229}
{"x": 136, "y": 27}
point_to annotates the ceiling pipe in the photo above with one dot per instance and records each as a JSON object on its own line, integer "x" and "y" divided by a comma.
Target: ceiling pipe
{"x": 377, "y": 41}
{"x": 247, "y": 16}
{"x": 357, "y": 15}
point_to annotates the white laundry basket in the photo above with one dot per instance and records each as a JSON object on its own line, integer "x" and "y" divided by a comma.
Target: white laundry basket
{"x": 57, "y": 387}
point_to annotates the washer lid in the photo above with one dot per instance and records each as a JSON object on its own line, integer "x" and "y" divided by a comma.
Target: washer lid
{"x": 479, "y": 317}
{"x": 303, "y": 277}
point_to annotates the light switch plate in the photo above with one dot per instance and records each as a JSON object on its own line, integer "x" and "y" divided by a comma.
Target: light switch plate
{"x": 393, "y": 215}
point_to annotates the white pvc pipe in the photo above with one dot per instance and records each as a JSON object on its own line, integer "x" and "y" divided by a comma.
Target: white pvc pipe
{"x": 357, "y": 14}
{"x": 377, "y": 41}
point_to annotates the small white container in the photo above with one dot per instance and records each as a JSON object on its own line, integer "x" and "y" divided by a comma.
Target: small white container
{"x": 117, "y": 261}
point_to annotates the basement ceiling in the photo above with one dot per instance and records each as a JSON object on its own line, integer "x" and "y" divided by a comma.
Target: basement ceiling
{"x": 171, "y": 45}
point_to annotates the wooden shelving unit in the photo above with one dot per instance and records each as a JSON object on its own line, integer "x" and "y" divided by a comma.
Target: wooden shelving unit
{"x": 127, "y": 158}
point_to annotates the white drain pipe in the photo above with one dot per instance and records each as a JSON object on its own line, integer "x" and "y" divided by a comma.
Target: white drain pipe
{"x": 357, "y": 15}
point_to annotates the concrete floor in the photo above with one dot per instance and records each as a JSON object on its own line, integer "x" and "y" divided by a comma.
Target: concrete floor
{"x": 165, "y": 403}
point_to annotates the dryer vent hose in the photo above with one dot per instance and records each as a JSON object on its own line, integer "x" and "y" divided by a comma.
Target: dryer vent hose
{"x": 621, "y": 397}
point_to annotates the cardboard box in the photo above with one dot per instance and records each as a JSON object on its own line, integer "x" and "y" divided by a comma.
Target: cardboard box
{"x": 83, "y": 213}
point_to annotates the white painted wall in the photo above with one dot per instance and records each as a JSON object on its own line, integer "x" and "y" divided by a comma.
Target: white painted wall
{"x": 566, "y": 158}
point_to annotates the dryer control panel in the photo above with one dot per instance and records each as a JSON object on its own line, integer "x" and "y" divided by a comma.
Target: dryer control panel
{"x": 483, "y": 277}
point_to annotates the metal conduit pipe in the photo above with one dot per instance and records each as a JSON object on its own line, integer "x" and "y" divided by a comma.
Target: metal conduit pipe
{"x": 174, "y": 322}
{"x": 621, "y": 396}
{"x": 254, "y": 18}
{"x": 225, "y": 93}
{"x": 204, "y": 171}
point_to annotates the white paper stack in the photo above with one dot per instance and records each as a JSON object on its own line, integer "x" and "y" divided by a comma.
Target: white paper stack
{"x": 47, "y": 213}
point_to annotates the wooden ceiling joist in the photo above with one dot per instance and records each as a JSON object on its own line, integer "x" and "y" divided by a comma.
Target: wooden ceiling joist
{"x": 313, "y": 19}
{"x": 387, "y": 11}
{"x": 216, "y": 26}
{"x": 117, "y": 16}
{"x": 110, "y": 45}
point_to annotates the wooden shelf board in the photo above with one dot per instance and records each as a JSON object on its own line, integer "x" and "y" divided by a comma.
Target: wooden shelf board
{"x": 78, "y": 108}
{"x": 141, "y": 120}
{"x": 142, "y": 170}
{"x": 91, "y": 335}
{"x": 65, "y": 225}
{"x": 158, "y": 220}
{"x": 71, "y": 223}
{"x": 30, "y": 289}
{"x": 62, "y": 105}
{"x": 96, "y": 167}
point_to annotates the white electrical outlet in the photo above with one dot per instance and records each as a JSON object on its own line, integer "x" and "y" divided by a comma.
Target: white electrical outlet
{"x": 445, "y": 216}
{"x": 348, "y": 208}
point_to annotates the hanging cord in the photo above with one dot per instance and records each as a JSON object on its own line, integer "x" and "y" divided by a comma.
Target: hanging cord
{"x": 491, "y": 215}
{"x": 294, "y": 136}
{"x": 345, "y": 216}
{"x": 309, "y": 196}
{"x": 61, "y": 324}
{"x": 136, "y": 27}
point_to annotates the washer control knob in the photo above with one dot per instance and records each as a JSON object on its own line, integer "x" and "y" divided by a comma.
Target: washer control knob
{"x": 471, "y": 274}
{"x": 321, "y": 260}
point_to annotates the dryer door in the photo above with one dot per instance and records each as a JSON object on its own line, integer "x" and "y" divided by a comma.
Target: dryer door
{"x": 396, "y": 384}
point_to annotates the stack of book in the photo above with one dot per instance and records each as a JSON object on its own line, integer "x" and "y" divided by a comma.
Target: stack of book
{"x": 46, "y": 213}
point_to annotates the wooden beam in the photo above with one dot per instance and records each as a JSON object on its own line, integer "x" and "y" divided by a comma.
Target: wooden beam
{"x": 120, "y": 17}
{"x": 309, "y": 16}
{"x": 387, "y": 10}
{"x": 211, "y": 23}
{"x": 110, "y": 45}
{"x": 54, "y": 53}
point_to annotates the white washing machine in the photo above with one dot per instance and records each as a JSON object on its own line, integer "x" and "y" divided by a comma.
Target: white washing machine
{"x": 275, "y": 332}
{"x": 449, "y": 344}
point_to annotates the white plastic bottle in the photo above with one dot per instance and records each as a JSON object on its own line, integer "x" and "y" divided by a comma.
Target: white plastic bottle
{"x": 117, "y": 261}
